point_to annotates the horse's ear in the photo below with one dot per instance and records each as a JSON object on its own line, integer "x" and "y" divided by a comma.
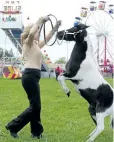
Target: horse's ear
{"x": 83, "y": 26}
{"x": 86, "y": 26}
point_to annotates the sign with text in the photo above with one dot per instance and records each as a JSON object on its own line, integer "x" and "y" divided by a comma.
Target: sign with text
{"x": 11, "y": 14}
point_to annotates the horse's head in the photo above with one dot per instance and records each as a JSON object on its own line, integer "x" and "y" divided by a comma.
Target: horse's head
{"x": 76, "y": 33}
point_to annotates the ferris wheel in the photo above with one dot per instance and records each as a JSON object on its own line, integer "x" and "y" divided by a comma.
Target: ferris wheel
{"x": 100, "y": 16}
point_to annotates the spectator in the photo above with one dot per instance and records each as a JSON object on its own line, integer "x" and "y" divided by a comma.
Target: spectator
{"x": 57, "y": 72}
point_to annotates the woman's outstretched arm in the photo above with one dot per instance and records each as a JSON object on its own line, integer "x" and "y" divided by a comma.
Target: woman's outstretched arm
{"x": 34, "y": 29}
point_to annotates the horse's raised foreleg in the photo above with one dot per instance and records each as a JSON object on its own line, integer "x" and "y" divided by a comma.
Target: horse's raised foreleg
{"x": 61, "y": 79}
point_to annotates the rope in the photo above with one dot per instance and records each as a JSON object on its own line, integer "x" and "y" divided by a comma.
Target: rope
{"x": 44, "y": 31}
{"x": 59, "y": 43}
{"x": 52, "y": 29}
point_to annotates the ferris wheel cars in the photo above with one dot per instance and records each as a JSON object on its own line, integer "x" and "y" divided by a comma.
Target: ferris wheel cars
{"x": 111, "y": 9}
{"x": 83, "y": 12}
{"x": 93, "y": 6}
{"x": 101, "y": 5}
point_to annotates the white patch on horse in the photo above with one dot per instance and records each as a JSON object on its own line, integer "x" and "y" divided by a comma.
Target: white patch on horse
{"x": 91, "y": 78}
{"x": 89, "y": 71}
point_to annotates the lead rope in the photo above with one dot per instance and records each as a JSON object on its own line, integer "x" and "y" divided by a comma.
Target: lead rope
{"x": 44, "y": 31}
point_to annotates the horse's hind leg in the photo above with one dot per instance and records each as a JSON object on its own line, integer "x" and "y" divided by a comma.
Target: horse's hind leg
{"x": 92, "y": 111}
{"x": 99, "y": 128}
{"x": 61, "y": 80}
{"x": 112, "y": 121}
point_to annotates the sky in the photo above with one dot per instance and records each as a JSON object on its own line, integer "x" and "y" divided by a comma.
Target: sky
{"x": 62, "y": 9}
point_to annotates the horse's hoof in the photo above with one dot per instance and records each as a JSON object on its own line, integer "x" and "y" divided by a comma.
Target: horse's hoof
{"x": 89, "y": 140}
{"x": 68, "y": 94}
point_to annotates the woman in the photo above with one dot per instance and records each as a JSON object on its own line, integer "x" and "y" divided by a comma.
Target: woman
{"x": 30, "y": 80}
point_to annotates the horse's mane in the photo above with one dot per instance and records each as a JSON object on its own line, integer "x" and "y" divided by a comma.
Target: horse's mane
{"x": 92, "y": 46}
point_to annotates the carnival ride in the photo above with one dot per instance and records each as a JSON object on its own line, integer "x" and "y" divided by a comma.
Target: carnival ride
{"x": 11, "y": 23}
{"x": 11, "y": 72}
{"x": 100, "y": 16}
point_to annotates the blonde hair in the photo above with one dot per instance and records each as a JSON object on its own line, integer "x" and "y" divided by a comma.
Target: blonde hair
{"x": 25, "y": 33}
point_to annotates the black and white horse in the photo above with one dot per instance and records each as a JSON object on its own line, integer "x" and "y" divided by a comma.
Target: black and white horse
{"x": 82, "y": 70}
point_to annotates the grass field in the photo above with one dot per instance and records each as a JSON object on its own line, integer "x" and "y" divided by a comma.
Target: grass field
{"x": 64, "y": 119}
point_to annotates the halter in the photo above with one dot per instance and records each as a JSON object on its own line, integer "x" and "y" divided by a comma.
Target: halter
{"x": 69, "y": 33}
{"x": 75, "y": 33}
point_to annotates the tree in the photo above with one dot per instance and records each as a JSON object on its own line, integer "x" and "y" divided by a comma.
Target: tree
{"x": 1, "y": 52}
{"x": 11, "y": 53}
{"x": 7, "y": 53}
{"x": 61, "y": 60}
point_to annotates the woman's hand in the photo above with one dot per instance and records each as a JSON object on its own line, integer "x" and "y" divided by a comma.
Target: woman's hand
{"x": 58, "y": 24}
{"x": 46, "y": 18}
